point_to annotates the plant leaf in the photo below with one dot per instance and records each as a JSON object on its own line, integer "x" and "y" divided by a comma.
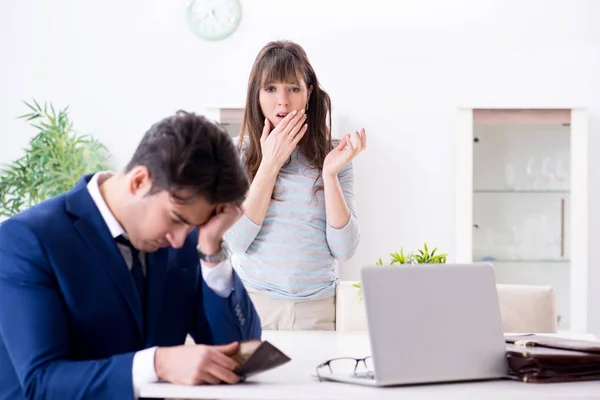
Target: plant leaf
{"x": 54, "y": 161}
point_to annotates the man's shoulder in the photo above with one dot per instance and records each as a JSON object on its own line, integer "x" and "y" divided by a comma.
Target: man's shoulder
{"x": 45, "y": 216}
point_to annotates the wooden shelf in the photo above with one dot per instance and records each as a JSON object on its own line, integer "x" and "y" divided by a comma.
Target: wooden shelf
{"x": 522, "y": 116}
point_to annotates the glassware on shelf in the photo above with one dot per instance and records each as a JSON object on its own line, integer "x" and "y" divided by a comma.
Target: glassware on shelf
{"x": 502, "y": 248}
{"x": 502, "y": 243}
{"x": 516, "y": 243}
{"x": 548, "y": 170}
{"x": 563, "y": 171}
{"x": 533, "y": 243}
{"x": 535, "y": 239}
{"x": 484, "y": 243}
{"x": 532, "y": 172}
{"x": 510, "y": 176}
{"x": 547, "y": 246}
{"x": 542, "y": 238}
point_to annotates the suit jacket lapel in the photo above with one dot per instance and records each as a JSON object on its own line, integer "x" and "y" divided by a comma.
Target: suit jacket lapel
{"x": 96, "y": 234}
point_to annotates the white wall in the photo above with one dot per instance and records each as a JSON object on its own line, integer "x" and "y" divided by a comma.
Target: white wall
{"x": 399, "y": 69}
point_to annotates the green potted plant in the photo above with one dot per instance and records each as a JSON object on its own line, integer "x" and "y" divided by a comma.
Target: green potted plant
{"x": 55, "y": 159}
{"x": 421, "y": 256}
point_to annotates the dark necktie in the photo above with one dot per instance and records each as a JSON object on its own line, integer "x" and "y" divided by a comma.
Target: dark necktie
{"x": 137, "y": 271}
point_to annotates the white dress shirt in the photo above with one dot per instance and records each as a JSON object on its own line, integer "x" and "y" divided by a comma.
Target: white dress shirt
{"x": 218, "y": 278}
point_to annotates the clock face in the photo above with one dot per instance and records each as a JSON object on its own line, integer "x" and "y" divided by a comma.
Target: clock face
{"x": 213, "y": 19}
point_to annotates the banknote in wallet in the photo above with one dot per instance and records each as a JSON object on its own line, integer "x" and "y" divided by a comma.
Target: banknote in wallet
{"x": 255, "y": 356}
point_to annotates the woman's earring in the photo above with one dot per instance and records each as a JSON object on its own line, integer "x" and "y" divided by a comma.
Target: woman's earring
{"x": 306, "y": 106}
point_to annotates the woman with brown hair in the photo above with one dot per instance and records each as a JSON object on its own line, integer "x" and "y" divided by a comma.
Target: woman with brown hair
{"x": 299, "y": 215}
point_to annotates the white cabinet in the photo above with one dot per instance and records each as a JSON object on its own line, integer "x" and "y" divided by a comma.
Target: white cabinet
{"x": 230, "y": 117}
{"x": 522, "y": 200}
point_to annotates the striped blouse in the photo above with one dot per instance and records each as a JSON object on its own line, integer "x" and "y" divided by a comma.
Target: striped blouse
{"x": 292, "y": 255}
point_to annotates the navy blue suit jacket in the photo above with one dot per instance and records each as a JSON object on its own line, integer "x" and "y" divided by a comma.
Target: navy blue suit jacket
{"x": 70, "y": 319}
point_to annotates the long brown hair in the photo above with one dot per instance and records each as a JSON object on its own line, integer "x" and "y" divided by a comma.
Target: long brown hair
{"x": 285, "y": 61}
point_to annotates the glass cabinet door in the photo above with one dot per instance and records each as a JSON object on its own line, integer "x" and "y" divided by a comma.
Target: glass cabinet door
{"x": 521, "y": 198}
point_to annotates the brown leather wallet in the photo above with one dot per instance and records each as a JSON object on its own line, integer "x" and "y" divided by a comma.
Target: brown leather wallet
{"x": 538, "y": 359}
{"x": 255, "y": 356}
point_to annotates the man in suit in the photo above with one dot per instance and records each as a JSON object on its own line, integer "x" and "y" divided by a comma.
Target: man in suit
{"x": 100, "y": 286}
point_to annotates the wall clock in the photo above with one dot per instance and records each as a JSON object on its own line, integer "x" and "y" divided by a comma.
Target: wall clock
{"x": 213, "y": 19}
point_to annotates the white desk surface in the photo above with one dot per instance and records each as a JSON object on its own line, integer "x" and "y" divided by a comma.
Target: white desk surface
{"x": 295, "y": 380}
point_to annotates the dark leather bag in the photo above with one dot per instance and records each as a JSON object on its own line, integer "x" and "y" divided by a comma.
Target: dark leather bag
{"x": 538, "y": 359}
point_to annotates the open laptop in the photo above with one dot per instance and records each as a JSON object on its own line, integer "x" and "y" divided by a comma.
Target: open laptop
{"x": 431, "y": 323}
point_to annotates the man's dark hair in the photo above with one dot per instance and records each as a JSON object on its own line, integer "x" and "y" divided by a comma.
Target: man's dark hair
{"x": 187, "y": 154}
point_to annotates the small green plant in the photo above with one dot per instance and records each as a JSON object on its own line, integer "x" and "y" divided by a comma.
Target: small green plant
{"x": 399, "y": 258}
{"x": 54, "y": 161}
{"x": 424, "y": 257}
{"x": 358, "y": 286}
{"x": 420, "y": 256}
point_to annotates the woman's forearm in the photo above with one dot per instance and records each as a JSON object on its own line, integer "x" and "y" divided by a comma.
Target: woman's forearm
{"x": 336, "y": 208}
{"x": 259, "y": 196}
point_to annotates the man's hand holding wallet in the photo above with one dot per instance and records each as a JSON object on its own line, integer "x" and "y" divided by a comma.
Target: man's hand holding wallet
{"x": 256, "y": 356}
{"x": 202, "y": 364}
{"x": 196, "y": 364}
